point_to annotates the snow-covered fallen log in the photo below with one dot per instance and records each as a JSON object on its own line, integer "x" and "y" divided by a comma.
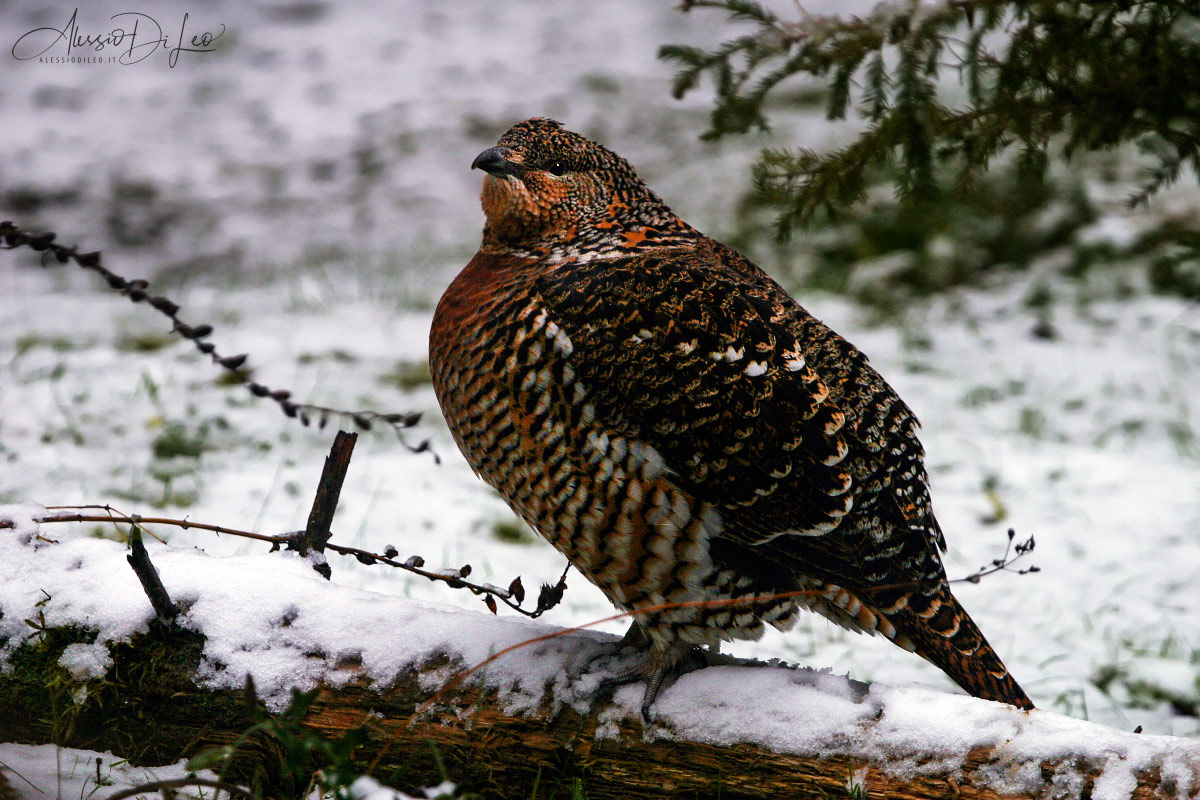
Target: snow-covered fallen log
{"x": 150, "y": 693}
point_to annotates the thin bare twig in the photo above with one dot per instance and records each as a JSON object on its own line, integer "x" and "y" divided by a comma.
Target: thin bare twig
{"x": 138, "y": 291}
{"x": 512, "y": 597}
{"x": 1005, "y": 562}
{"x": 168, "y": 786}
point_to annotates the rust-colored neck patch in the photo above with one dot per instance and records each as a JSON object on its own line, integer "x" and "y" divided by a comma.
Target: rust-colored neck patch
{"x": 570, "y": 199}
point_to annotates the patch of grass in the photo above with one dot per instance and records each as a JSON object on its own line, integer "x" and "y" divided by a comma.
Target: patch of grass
{"x": 1144, "y": 693}
{"x": 1072, "y": 703}
{"x": 168, "y": 473}
{"x": 28, "y": 199}
{"x": 997, "y": 511}
{"x": 175, "y": 452}
{"x": 137, "y": 215}
{"x": 337, "y": 355}
{"x": 178, "y": 440}
{"x": 978, "y": 396}
{"x": 916, "y": 340}
{"x": 1127, "y": 429}
{"x": 1177, "y": 271}
{"x": 1149, "y": 674}
{"x": 1039, "y": 296}
{"x": 1182, "y": 436}
{"x": 147, "y": 675}
{"x": 600, "y": 83}
{"x": 512, "y": 531}
{"x": 34, "y": 341}
{"x": 71, "y": 427}
{"x": 1031, "y": 422}
{"x": 408, "y": 375}
{"x": 175, "y": 458}
{"x": 37, "y": 687}
{"x": 306, "y": 758}
{"x": 856, "y": 785}
{"x": 110, "y": 532}
{"x": 144, "y": 342}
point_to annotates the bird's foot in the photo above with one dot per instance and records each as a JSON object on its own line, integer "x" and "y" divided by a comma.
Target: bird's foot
{"x": 662, "y": 670}
{"x": 633, "y": 643}
{"x": 627, "y": 656}
{"x": 654, "y": 667}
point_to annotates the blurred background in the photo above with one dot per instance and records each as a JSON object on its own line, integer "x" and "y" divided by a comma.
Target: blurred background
{"x": 305, "y": 188}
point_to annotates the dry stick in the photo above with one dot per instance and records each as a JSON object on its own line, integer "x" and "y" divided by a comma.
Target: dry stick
{"x": 1004, "y": 562}
{"x": 181, "y": 783}
{"x": 549, "y": 597}
{"x": 138, "y": 519}
{"x": 329, "y": 488}
{"x": 110, "y": 510}
{"x": 139, "y": 559}
{"x": 455, "y": 578}
{"x": 117, "y": 528}
{"x": 138, "y": 291}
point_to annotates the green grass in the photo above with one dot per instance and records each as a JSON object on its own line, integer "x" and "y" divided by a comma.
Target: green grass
{"x": 407, "y": 375}
{"x": 512, "y": 532}
{"x": 57, "y": 344}
{"x": 144, "y": 342}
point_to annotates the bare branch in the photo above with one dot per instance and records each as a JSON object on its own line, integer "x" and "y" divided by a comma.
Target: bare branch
{"x": 320, "y": 518}
{"x": 1012, "y": 554}
{"x": 549, "y": 597}
{"x": 139, "y": 559}
{"x": 138, "y": 291}
{"x": 167, "y": 787}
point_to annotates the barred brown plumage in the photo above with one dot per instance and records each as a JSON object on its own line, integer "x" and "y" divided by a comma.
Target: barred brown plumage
{"x": 676, "y": 425}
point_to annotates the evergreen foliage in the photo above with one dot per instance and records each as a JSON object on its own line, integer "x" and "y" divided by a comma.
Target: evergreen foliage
{"x": 1039, "y": 78}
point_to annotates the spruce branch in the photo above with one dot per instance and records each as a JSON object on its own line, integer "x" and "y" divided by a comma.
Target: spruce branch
{"x": 1039, "y": 75}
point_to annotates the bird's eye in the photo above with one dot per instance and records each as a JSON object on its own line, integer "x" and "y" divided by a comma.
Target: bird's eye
{"x": 556, "y": 168}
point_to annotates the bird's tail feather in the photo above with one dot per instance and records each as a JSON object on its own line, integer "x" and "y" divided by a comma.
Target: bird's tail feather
{"x": 941, "y": 632}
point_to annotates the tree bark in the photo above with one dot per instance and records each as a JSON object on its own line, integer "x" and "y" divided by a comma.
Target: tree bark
{"x": 150, "y": 710}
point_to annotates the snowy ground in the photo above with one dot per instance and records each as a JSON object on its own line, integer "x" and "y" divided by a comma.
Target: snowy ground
{"x": 45, "y": 772}
{"x": 306, "y": 191}
{"x": 238, "y": 603}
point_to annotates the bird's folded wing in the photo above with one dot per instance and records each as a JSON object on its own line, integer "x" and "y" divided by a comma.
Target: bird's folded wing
{"x": 697, "y": 360}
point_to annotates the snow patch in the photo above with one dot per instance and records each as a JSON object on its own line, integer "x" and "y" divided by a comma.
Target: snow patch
{"x": 269, "y": 616}
{"x": 85, "y": 661}
{"x": 47, "y": 772}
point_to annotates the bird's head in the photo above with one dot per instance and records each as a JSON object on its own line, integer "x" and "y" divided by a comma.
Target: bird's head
{"x": 550, "y": 192}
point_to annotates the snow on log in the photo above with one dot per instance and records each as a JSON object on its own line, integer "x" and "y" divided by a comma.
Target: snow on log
{"x": 73, "y": 616}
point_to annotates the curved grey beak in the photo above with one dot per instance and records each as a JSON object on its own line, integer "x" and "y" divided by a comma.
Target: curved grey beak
{"x": 494, "y": 161}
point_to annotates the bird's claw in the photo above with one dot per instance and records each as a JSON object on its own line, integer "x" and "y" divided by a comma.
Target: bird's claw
{"x": 654, "y": 671}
